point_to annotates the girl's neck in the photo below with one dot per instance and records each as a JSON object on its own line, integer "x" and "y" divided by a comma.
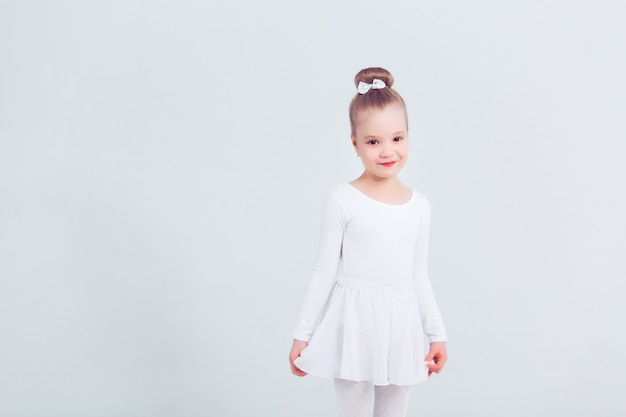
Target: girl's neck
{"x": 368, "y": 180}
{"x": 388, "y": 190}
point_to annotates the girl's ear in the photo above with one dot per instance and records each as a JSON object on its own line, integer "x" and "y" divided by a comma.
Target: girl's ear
{"x": 353, "y": 139}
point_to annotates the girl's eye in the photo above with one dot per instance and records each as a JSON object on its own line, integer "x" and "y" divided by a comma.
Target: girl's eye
{"x": 397, "y": 139}
{"x": 372, "y": 142}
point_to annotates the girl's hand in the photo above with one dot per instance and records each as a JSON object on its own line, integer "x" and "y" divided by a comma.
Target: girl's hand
{"x": 297, "y": 347}
{"x": 437, "y": 357}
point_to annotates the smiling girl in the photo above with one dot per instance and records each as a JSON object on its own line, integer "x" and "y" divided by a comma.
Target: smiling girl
{"x": 370, "y": 310}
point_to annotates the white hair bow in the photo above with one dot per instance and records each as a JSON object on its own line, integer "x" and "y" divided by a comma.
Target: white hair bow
{"x": 376, "y": 85}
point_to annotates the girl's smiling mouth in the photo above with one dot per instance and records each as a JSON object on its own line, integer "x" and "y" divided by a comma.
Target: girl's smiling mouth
{"x": 388, "y": 164}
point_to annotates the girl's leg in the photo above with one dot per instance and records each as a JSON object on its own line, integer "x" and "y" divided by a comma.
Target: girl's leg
{"x": 354, "y": 399}
{"x": 391, "y": 400}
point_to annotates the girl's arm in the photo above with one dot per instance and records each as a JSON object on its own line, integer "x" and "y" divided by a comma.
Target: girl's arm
{"x": 325, "y": 271}
{"x": 432, "y": 321}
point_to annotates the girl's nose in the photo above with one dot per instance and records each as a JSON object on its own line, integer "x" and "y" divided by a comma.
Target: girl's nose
{"x": 385, "y": 152}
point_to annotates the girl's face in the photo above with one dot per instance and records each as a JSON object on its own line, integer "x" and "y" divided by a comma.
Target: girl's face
{"x": 381, "y": 139}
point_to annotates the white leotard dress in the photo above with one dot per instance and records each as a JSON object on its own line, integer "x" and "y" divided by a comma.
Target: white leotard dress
{"x": 370, "y": 303}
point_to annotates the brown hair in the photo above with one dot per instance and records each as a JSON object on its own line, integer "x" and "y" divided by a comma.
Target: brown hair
{"x": 374, "y": 98}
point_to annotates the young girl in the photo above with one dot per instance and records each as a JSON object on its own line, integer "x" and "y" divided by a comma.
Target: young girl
{"x": 370, "y": 302}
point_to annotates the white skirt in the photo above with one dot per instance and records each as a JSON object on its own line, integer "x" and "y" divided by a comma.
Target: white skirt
{"x": 370, "y": 333}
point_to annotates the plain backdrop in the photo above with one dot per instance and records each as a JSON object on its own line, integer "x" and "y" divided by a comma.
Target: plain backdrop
{"x": 163, "y": 166}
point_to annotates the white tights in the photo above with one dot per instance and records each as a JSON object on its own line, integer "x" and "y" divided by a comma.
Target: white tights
{"x": 354, "y": 399}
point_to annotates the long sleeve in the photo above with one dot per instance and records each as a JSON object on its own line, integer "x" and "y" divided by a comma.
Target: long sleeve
{"x": 432, "y": 321}
{"x": 325, "y": 271}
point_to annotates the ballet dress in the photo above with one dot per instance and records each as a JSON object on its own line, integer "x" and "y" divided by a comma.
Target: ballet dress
{"x": 369, "y": 310}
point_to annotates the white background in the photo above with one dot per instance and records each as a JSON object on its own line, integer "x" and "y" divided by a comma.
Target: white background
{"x": 163, "y": 166}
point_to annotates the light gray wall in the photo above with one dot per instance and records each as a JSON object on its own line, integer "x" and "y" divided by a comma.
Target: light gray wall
{"x": 163, "y": 165}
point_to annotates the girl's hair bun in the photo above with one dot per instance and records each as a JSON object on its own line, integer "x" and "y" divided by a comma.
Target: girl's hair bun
{"x": 374, "y": 97}
{"x": 368, "y": 75}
